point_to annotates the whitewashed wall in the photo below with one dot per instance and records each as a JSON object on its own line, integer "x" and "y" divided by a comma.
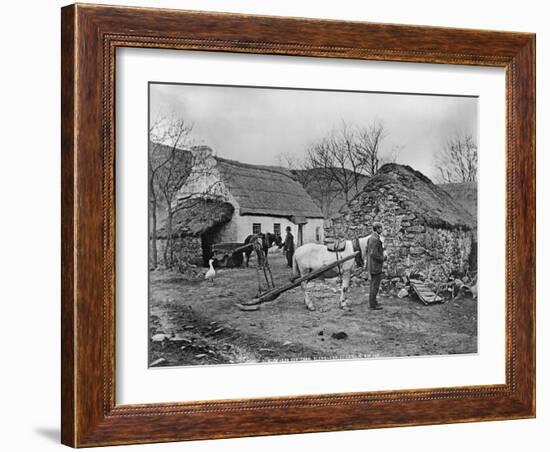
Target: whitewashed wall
{"x": 240, "y": 227}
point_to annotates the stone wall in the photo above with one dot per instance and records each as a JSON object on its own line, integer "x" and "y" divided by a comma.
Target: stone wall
{"x": 410, "y": 244}
{"x": 187, "y": 249}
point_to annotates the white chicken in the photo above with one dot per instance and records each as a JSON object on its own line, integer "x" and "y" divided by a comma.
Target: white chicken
{"x": 211, "y": 273}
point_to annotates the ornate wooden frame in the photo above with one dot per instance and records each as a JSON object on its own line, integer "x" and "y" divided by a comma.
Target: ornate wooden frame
{"x": 90, "y": 35}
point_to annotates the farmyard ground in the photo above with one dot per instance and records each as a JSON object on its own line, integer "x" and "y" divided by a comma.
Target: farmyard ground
{"x": 203, "y": 326}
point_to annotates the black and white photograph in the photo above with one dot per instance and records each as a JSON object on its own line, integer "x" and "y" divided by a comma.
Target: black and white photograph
{"x": 292, "y": 224}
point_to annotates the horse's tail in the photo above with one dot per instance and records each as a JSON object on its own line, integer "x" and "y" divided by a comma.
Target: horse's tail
{"x": 295, "y": 269}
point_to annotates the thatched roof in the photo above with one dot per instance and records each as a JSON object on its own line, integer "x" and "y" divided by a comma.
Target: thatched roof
{"x": 416, "y": 194}
{"x": 266, "y": 190}
{"x": 196, "y": 216}
{"x": 465, "y": 194}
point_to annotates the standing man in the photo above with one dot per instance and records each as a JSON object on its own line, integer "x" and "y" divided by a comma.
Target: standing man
{"x": 375, "y": 257}
{"x": 288, "y": 246}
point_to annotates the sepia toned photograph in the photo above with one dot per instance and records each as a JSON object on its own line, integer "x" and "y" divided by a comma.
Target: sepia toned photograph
{"x": 298, "y": 224}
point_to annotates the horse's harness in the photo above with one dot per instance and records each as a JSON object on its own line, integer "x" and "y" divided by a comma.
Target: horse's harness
{"x": 258, "y": 244}
{"x": 358, "y": 257}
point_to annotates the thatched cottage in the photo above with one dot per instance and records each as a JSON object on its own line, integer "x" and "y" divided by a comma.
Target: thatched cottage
{"x": 425, "y": 230}
{"x": 239, "y": 199}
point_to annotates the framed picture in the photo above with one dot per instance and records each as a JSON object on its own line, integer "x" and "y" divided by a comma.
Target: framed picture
{"x": 281, "y": 225}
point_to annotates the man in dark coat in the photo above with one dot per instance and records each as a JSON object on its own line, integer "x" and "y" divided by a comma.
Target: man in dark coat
{"x": 375, "y": 257}
{"x": 288, "y": 246}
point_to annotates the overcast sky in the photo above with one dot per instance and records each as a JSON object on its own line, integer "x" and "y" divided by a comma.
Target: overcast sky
{"x": 256, "y": 125}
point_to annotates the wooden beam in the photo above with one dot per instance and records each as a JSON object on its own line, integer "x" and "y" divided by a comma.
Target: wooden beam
{"x": 274, "y": 293}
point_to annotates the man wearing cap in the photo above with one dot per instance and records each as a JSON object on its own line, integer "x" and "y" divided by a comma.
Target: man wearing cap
{"x": 288, "y": 246}
{"x": 375, "y": 256}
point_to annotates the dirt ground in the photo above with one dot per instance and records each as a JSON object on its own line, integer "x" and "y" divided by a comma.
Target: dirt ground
{"x": 197, "y": 322}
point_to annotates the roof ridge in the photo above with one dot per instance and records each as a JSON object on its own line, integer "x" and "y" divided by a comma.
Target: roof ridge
{"x": 262, "y": 189}
{"x": 276, "y": 169}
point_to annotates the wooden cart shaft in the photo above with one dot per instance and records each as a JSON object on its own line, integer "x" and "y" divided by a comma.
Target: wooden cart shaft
{"x": 271, "y": 295}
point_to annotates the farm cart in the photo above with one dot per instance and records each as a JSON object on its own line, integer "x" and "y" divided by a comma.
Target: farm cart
{"x": 231, "y": 255}
{"x": 228, "y": 254}
{"x": 274, "y": 293}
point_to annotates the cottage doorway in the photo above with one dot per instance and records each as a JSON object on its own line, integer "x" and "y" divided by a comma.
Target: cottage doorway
{"x": 207, "y": 239}
{"x": 300, "y": 222}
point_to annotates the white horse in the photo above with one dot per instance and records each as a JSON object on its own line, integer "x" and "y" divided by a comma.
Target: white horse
{"x": 312, "y": 256}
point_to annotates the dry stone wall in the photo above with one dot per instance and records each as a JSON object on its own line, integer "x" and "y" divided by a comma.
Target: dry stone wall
{"x": 187, "y": 250}
{"x": 411, "y": 245}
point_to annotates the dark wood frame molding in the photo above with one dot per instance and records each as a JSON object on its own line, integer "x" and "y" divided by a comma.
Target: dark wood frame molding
{"x": 90, "y": 35}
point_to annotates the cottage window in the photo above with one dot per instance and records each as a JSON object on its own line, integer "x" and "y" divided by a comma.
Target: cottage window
{"x": 277, "y": 229}
{"x": 256, "y": 228}
{"x": 318, "y": 233}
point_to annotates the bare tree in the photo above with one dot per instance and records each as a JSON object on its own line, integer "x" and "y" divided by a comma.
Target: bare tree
{"x": 347, "y": 138}
{"x": 368, "y": 146}
{"x": 349, "y": 153}
{"x": 169, "y": 179}
{"x": 316, "y": 181}
{"x": 169, "y": 166}
{"x": 333, "y": 155}
{"x": 337, "y": 165}
{"x": 326, "y": 194}
{"x": 457, "y": 160}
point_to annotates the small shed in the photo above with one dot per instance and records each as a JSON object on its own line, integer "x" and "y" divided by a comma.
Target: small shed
{"x": 425, "y": 230}
{"x": 192, "y": 223}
